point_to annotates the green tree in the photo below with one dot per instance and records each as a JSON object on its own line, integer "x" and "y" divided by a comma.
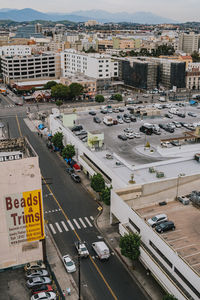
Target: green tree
{"x": 68, "y": 151}
{"x": 118, "y": 97}
{"x": 130, "y": 245}
{"x": 97, "y": 183}
{"x": 195, "y": 56}
{"x": 169, "y": 297}
{"x": 75, "y": 89}
{"x": 91, "y": 50}
{"x": 99, "y": 98}
{"x": 57, "y": 140}
{"x": 60, "y": 91}
{"x": 105, "y": 195}
{"x": 59, "y": 103}
{"x": 49, "y": 85}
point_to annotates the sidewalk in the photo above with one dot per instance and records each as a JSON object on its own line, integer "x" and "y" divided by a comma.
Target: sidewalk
{"x": 55, "y": 260}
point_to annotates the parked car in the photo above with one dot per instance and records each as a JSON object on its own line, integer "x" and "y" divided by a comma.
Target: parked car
{"x": 104, "y": 111}
{"x": 37, "y": 281}
{"x": 127, "y": 120}
{"x": 128, "y": 129}
{"x": 92, "y": 113}
{"x": 121, "y": 109}
{"x": 82, "y": 249}
{"x": 44, "y": 296}
{"x": 115, "y": 110}
{"x": 191, "y": 114}
{"x": 69, "y": 264}
{"x": 77, "y": 128}
{"x": 122, "y": 137}
{"x": 157, "y": 219}
{"x": 181, "y": 115}
{"x": 133, "y": 119}
{"x": 36, "y": 273}
{"x": 166, "y": 144}
{"x": 120, "y": 121}
{"x": 70, "y": 170}
{"x": 166, "y": 226}
{"x": 168, "y": 116}
{"x": 35, "y": 265}
{"x": 82, "y": 132}
{"x": 137, "y": 135}
{"x": 177, "y": 124}
{"x": 41, "y": 288}
{"x": 175, "y": 143}
{"x": 75, "y": 177}
{"x": 97, "y": 120}
{"x": 129, "y": 135}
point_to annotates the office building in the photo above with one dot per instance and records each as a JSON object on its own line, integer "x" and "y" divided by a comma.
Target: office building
{"x": 189, "y": 43}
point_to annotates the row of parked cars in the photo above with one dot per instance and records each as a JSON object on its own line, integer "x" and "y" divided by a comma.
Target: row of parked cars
{"x": 129, "y": 134}
{"x": 39, "y": 281}
{"x": 161, "y": 223}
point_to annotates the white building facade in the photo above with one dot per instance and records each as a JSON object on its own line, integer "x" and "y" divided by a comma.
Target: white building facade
{"x": 13, "y": 50}
{"x": 92, "y": 65}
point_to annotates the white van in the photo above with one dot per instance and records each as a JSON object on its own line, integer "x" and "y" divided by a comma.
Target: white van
{"x": 101, "y": 250}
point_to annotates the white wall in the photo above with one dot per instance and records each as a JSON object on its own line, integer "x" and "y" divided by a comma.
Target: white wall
{"x": 123, "y": 212}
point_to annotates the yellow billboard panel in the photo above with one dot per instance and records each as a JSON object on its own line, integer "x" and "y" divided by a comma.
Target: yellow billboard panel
{"x": 24, "y": 215}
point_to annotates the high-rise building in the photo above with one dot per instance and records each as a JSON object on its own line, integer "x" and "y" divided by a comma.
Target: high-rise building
{"x": 189, "y": 43}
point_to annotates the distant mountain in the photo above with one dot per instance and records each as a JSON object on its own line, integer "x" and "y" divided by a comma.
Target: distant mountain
{"x": 28, "y": 14}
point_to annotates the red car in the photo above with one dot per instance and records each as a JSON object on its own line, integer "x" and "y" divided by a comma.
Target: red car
{"x": 41, "y": 288}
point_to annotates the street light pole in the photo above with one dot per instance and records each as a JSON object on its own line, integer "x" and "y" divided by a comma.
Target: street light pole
{"x": 79, "y": 272}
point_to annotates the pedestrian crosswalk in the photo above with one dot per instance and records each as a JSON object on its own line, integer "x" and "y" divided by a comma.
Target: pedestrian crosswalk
{"x": 80, "y": 223}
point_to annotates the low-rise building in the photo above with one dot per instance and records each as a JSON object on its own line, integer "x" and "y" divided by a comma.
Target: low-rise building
{"x": 13, "y": 50}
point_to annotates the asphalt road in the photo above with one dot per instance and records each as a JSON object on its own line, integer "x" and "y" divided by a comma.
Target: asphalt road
{"x": 100, "y": 280}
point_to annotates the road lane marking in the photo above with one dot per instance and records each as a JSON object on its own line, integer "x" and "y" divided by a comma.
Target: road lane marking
{"x": 64, "y": 225}
{"x": 70, "y": 224}
{"x": 82, "y": 223}
{"x": 58, "y": 226}
{"x": 91, "y": 217}
{"x": 78, "y": 226}
{"x": 52, "y": 229}
{"x": 88, "y": 222}
{"x": 19, "y": 128}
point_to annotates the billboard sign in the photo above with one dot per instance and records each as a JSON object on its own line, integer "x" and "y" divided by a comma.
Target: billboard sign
{"x": 24, "y": 217}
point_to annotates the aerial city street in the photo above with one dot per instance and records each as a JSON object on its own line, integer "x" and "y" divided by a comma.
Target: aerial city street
{"x": 99, "y": 151}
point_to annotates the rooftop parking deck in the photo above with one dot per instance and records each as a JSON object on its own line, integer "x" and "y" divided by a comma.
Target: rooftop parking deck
{"x": 185, "y": 238}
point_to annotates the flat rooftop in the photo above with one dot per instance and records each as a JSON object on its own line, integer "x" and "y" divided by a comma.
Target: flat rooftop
{"x": 185, "y": 238}
{"x": 19, "y": 147}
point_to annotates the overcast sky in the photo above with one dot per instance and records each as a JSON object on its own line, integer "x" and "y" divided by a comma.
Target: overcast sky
{"x": 180, "y": 10}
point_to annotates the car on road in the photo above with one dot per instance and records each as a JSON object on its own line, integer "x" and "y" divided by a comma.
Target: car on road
{"x": 82, "y": 249}
{"x": 191, "y": 114}
{"x": 157, "y": 220}
{"x": 35, "y": 265}
{"x": 44, "y": 296}
{"x": 76, "y": 177}
{"x": 92, "y": 113}
{"x": 37, "y": 281}
{"x": 122, "y": 137}
{"x": 41, "y": 288}
{"x": 97, "y": 120}
{"x": 165, "y": 226}
{"x": 69, "y": 264}
{"x": 36, "y": 273}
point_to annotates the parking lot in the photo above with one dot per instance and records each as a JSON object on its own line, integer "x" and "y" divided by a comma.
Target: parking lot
{"x": 185, "y": 238}
{"x": 128, "y": 149}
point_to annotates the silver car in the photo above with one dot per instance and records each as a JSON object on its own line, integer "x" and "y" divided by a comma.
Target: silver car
{"x": 38, "y": 281}
{"x": 37, "y": 273}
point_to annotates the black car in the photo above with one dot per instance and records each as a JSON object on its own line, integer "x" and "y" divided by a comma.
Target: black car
{"x": 133, "y": 119}
{"x": 168, "y": 116}
{"x": 121, "y": 109}
{"x": 70, "y": 170}
{"x": 165, "y": 226}
{"x": 169, "y": 129}
{"x": 76, "y": 178}
{"x": 175, "y": 143}
{"x": 92, "y": 113}
{"x": 96, "y": 120}
{"x": 181, "y": 115}
{"x": 122, "y": 137}
{"x": 77, "y": 128}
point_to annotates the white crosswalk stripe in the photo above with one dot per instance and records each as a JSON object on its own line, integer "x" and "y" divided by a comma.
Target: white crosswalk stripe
{"x": 70, "y": 224}
{"x": 82, "y": 223}
{"x": 79, "y": 223}
{"x": 58, "y": 226}
{"x": 52, "y": 228}
{"x": 64, "y": 225}
{"x": 78, "y": 226}
{"x": 88, "y": 222}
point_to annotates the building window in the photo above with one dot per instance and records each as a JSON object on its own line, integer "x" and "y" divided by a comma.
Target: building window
{"x": 187, "y": 282}
{"x": 161, "y": 254}
{"x": 134, "y": 226}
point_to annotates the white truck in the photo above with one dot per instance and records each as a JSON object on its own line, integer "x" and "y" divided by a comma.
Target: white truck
{"x": 108, "y": 120}
{"x": 101, "y": 250}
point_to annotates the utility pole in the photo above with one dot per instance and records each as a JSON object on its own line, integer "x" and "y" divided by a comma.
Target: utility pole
{"x": 79, "y": 272}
